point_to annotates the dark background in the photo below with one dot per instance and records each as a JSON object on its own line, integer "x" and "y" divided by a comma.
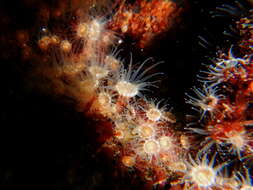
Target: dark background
{"x": 45, "y": 144}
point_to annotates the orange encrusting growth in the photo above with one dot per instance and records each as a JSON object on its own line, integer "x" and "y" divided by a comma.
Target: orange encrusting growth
{"x": 143, "y": 20}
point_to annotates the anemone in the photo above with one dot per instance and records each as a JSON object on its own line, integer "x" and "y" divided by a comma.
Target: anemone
{"x": 206, "y": 99}
{"x": 131, "y": 83}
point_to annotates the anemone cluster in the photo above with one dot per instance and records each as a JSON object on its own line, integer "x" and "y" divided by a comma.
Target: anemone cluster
{"x": 78, "y": 59}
